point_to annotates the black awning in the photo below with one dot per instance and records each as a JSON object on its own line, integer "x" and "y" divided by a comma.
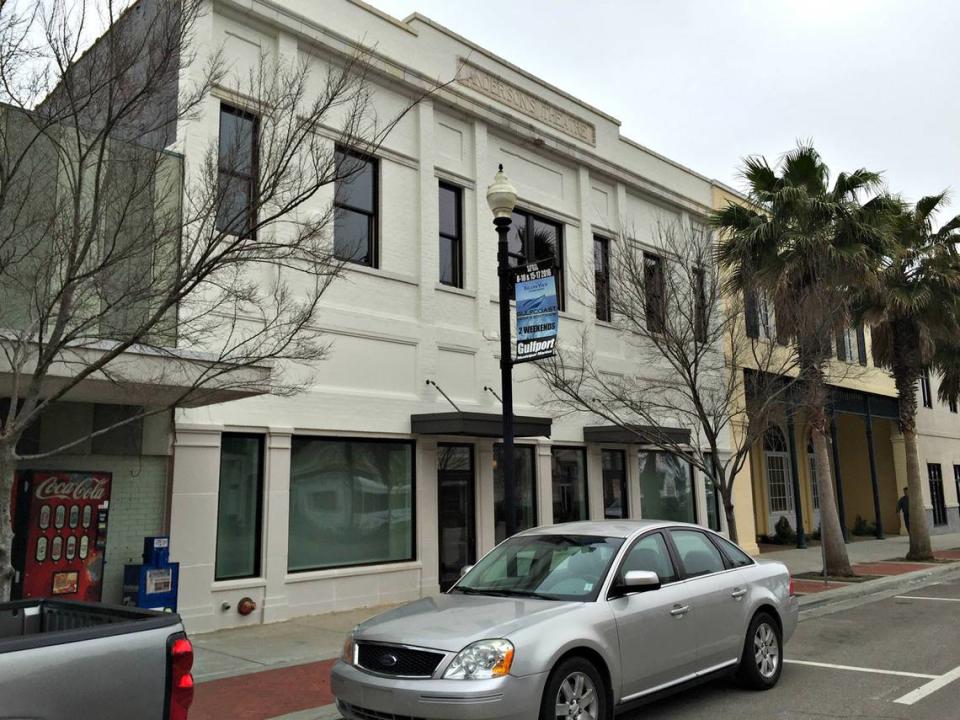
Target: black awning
{"x": 635, "y": 434}
{"x": 477, "y": 424}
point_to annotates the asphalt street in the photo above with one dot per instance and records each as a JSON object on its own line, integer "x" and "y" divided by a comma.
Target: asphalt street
{"x": 895, "y": 658}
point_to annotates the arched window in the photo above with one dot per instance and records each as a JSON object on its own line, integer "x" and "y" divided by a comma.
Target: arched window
{"x": 777, "y": 462}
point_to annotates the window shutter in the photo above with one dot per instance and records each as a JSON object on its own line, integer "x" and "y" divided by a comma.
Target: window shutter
{"x": 861, "y": 346}
{"x": 750, "y": 310}
{"x": 841, "y": 350}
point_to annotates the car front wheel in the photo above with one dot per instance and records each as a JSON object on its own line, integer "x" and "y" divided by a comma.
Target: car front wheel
{"x": 574, "y": 691}
{"x": 762, "y": 659}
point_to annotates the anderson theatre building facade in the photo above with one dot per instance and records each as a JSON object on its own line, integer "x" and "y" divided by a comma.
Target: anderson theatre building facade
{"x": 380, "y": 482}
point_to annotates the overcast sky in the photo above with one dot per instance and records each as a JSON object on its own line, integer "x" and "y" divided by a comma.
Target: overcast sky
{"x": 872, "y": 82}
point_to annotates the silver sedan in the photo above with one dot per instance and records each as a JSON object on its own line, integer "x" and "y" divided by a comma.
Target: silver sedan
{"x": 573, "y": 622}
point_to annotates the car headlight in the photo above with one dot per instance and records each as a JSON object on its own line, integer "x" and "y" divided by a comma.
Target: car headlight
{"x": 481, "y": 661}
{"x": 349, "y": 650}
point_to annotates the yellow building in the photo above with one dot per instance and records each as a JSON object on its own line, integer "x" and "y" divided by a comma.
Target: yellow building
{"x": 869, "y": 464}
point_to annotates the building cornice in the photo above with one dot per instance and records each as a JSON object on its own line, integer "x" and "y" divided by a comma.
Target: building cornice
{"x": 324, "y": 40}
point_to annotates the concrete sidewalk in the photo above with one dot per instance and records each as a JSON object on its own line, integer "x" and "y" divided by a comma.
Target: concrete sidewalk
{"x": 858, "y": 550}
{"x": 240, "y": 651}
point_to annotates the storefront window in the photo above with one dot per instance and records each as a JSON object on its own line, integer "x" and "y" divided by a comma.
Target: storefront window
{"x": 524, "y": 469}
{"x": 666, "y": 487}
{"x": 614, "y": 484}
{"x": 239, "y": 506}
{"x": 569, "y": 484}
{"x": 351, "y": 503}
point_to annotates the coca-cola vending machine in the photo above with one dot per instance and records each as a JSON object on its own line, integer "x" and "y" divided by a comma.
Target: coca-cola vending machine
{"x": 61, "y": 527}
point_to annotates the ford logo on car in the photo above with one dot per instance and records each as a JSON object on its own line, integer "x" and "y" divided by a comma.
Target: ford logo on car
{"x": 388, "y": 660}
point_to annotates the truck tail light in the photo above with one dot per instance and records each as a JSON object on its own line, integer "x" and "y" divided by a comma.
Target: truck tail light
{"x": 791, "y": 590}
{"x": 180, "y": 661}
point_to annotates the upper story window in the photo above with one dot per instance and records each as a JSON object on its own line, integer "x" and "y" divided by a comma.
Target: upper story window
{"x": 237, "y": 164}
{"x": 925, "y": 395}
{"x": 537, "y": 239}
{"x": 851, "y": 345}
{"x": 355, "y": 202}
{"x": 700, "y": 311}
{"x": 451, "y": 235}
{"x": 601, "y": 276}
{"x": 654, "y": 292}
{"x": 761, "y": 318}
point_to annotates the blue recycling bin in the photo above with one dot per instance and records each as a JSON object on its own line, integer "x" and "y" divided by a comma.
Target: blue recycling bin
{"x": 152, "y": 584}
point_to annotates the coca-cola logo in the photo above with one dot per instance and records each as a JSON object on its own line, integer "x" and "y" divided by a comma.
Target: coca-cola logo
{"x": 72, "y": 489}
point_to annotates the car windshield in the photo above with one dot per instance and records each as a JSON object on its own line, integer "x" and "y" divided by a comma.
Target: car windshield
{"x": 552, "y": 567}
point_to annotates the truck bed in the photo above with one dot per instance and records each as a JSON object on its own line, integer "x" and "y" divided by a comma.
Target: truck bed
{"x": 37, "y": 623}
{"x": 64, "y": 660}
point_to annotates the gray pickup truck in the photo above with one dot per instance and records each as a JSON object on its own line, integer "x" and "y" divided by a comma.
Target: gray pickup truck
{"x": 64, "y": 660}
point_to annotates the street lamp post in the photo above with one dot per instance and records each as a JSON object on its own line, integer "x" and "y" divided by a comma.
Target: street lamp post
{"x": 502, "y": 198}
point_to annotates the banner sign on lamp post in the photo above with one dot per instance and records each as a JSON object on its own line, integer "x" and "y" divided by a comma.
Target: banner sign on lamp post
{"x": 537, "y": 313}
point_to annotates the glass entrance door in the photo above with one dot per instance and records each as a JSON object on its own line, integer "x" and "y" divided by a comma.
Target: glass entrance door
{"x": 455, "y": 505}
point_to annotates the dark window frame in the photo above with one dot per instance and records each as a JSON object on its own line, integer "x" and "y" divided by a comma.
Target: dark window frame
{"x": 601, "y": 278}
{"x": 413, "y": 499}
{"x": 261, "y": 489}
{"x": 456, "y": 240}
{"x": 535, "y": 505}
{"x": 654, "y": 292}
{"x": 373, "y": 217}
{"x": 624, "y": 484}
{"x": 586, "y": 476}
{"x": 700, "y": 316}
{"x": 926, "y": 396}
{"x": 938, "y": 501}
{"x": 530, "y": 219}
{"x": 252, "y": 180}
{"x": 693, "y": 481}
{"x": 956, "y": 479}
{"x": 474, "y": 537}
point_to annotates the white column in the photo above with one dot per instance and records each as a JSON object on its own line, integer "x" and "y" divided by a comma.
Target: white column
{"x": 595, "y": 482}
{"x": 544, "y": 482}
{"x": 486, "y": 531}
{"x": 427, "y": 527}
{"x": 193, "y": 519}
{"x": 276, "y": 523}
{"x": 633, "y": 482}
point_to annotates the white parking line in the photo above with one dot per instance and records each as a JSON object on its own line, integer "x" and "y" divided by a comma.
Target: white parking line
{"x": 922, "y": 597}
{"x": 876, "y": 671}
{"x": 931, "y": 687}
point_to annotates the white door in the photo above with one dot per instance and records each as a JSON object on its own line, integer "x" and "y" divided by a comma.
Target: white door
{"x": 776, "y": 471}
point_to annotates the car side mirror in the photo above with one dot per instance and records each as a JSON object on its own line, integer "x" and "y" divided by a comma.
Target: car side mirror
{"x": 639, "y": 581}
{"x": 465, "y": 569}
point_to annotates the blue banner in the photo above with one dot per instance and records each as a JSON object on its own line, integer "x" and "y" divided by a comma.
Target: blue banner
{"x": 537, "y": 313}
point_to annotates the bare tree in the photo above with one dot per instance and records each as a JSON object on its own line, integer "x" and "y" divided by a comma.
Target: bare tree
{"x": 688, "y": 345}
{"x": 119, "y": 265}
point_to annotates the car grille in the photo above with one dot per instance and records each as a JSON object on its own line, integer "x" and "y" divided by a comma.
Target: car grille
{"x": 396, "y": 660}
{"x": 359, "y": 713}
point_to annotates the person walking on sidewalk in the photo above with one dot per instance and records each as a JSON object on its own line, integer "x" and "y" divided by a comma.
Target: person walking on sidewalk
{"x": 903, "y": 506}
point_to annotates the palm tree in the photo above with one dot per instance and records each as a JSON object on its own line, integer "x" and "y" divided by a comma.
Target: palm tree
{"x": 802, "y": 243}
{"x": 912, "y": 308}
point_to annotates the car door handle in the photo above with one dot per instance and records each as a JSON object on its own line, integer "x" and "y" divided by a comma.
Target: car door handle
{"x": 680, "y": 610}
{"x": 738, "y": 593}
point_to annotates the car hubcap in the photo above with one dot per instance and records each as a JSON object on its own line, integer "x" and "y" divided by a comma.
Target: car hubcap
{"x": 766, "y": 651}
{"x": 577, "y": 698}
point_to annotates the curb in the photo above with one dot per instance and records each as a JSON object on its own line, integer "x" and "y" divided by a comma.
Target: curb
{"x": 891, "y": 585}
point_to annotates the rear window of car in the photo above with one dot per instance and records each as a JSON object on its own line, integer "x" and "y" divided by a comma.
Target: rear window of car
{"x": 736, "y": 556}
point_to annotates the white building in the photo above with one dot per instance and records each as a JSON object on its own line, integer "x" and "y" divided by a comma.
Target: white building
{"x": 371, "y": 487}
